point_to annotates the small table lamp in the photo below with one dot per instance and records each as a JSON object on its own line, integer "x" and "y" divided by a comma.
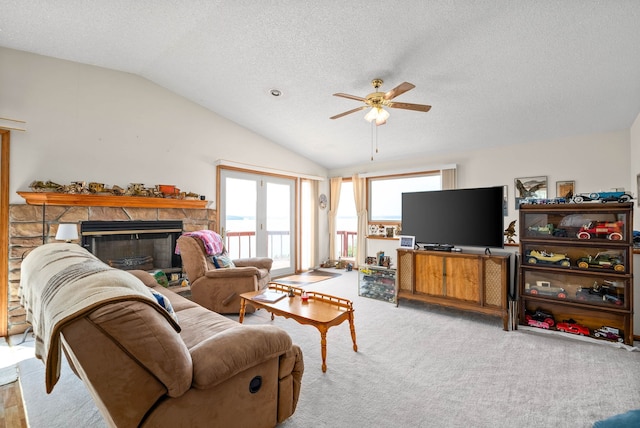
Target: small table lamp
{"x": 67, "y": 232}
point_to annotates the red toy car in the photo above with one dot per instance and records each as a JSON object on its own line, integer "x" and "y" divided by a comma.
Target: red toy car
{"x": 602, "y": 229}
{"x": 534, "y": 318}
{"x": 539, "y": 324}
{"x": 570, "y": 326}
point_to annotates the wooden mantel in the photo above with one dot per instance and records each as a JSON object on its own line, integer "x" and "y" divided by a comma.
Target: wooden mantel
{"x": 51, "y": 198}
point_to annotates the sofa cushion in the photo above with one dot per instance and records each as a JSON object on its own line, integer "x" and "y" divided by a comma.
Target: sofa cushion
{"x": 199, "y": 323}
{"x": 150, "y": 339}
{"x": 234, "y": 350}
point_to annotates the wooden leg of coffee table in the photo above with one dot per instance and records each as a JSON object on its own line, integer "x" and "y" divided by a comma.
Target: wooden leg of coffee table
{"x": 323, "y": 347}
{"x": 352, "y": 327}
{"x": 243, "y": 305}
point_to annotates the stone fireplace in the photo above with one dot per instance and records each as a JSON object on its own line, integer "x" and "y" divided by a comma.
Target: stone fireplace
{"x": 31, "y": 225}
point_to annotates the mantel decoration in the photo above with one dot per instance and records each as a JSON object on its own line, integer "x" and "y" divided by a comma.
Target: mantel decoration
{"x": 133, "y": 189}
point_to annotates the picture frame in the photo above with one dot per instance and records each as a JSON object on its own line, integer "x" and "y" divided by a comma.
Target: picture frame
{"x": 390, "y": 231}
{"x": 407, "y": 241}
{"x": 565, "y": 189}
{"x": 530, "y": 188}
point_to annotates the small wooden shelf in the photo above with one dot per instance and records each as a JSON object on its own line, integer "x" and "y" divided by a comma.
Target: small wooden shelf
{"x": 51, "y": 198}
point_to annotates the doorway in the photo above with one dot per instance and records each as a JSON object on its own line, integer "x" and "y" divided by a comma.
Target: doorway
{"x": 257, "y": 217}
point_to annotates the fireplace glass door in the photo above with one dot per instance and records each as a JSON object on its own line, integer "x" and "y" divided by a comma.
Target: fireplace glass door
{"x": 134, "y": 245}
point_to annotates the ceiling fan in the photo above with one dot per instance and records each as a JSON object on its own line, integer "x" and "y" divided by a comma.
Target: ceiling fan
{"x": 377, "y": 100}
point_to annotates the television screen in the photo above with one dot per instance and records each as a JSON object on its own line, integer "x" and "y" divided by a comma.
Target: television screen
{"x": 464, "y": 217}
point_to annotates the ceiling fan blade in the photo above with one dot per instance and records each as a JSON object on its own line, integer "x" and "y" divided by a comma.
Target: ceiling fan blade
{"x": 398, "y": 90}
{"x": 409, "y": 106}
{"x": 351, "y": 97}
{"x": 337, "y": 116}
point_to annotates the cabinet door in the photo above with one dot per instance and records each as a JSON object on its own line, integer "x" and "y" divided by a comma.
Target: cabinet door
{"x": 429, "y": 274}
{"x": 463, "y": 278}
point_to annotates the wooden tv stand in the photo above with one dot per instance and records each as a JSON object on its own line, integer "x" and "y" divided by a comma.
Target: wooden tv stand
{"x": 466, "y": 281}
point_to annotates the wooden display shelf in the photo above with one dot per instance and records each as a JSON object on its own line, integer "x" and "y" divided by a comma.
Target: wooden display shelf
{"x": 51, "y": 198}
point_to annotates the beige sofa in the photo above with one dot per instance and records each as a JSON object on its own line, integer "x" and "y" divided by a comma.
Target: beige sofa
{"x": 142, "y": 368}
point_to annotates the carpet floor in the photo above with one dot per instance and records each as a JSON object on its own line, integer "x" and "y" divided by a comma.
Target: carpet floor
{"x": 417, "y": 366}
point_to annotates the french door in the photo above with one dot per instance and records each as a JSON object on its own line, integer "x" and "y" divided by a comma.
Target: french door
{"x": 257, "y": 217}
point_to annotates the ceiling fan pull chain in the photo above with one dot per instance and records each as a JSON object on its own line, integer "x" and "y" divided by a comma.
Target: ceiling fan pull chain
{"x": 372, "y": 126}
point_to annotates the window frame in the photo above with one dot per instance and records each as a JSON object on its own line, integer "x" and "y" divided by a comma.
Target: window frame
{"x": 372, "y": 179}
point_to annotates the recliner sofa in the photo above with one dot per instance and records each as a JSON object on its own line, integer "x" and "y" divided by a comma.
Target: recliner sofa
{"x": 219, "y": 289}
{"x": 142, "y": 371}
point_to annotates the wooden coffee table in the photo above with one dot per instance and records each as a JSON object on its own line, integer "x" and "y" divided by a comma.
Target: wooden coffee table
{"x": 320, "y": 310}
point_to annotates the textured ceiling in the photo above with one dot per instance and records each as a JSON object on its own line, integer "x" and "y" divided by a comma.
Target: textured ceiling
{"x": 496, "y": 72}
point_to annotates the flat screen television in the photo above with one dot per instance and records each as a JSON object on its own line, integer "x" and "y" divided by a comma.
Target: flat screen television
{"x": 464, "y": 217}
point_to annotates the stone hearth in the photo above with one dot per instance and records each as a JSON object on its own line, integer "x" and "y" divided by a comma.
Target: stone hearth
{"x": 28, "y": 229}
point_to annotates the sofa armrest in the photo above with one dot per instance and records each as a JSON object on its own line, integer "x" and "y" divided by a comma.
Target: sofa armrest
{"x": 259, "y": 262}
{"x": 236, "y": 272}
{"x": 232, "y": 351}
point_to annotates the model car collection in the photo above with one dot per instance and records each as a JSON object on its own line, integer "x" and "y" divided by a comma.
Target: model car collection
{"x": 602, "y": 260}
{"x": 609, "y": 333}
{"x": 590, "y": 298}
{"x": 535, "y": 256}
{"x": 545, "y": 320}
{"x": 544, "y": 288}
{"x": 605, "y": 292}
{"x": 570, "y": 326}
{"x": 609, "y": 196}
{"x": 602, "y": 229}
{"x": 540, "y": 316}
{"x": 617, "y": 196}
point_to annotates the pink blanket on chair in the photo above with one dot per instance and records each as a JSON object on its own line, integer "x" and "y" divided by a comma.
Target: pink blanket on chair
{"x": 213, "y": 244}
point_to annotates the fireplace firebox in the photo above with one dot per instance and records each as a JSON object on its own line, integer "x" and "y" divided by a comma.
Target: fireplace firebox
{"x": 138, "y": 244}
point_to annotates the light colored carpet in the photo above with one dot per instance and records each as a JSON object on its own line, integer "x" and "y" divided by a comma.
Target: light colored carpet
{"x": 416, "y": 366}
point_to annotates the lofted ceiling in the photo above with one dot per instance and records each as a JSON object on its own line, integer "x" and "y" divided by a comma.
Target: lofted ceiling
{"x": 496, "y": 72}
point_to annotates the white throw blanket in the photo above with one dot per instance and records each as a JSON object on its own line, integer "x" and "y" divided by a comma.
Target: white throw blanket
{"x": 60, "y": 283}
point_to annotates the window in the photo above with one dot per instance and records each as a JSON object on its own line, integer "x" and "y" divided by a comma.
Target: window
{"x": 346, "y": 222}
{"x": 385, "y": 193}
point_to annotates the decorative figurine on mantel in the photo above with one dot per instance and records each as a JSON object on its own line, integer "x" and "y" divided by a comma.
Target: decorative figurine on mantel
{"x": 510, "y": 232}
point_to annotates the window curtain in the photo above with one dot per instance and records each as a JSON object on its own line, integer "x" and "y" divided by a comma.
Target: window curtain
{"x": 334, "y": 201}
{"x": 448, "y": 178}
{"x": 360, "y": 196}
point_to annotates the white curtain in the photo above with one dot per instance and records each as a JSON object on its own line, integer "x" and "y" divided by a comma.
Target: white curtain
{"x": 360, "y": 196}
{"x": 334, "y": 201}
{"x": 448, "y": 179}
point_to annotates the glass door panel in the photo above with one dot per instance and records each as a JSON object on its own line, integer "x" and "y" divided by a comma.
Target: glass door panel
{"x": 257, "y": 217}
{"x": 279, "y": 225}
{"x": 239, "y": 220}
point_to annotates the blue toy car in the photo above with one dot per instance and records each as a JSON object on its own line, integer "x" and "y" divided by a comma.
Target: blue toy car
{"x": 617, "y": 196}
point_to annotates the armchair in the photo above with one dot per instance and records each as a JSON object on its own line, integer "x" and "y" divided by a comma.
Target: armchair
{"x": 219, "y": 289}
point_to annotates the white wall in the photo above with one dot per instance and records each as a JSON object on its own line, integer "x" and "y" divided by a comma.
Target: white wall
{"x": 87, "y": 123}
{"x": 594, "y": 162}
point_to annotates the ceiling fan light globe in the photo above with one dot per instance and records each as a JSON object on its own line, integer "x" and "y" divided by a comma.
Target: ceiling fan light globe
{"x": 383, "y": 115}
{"x": 373, "y": 114}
